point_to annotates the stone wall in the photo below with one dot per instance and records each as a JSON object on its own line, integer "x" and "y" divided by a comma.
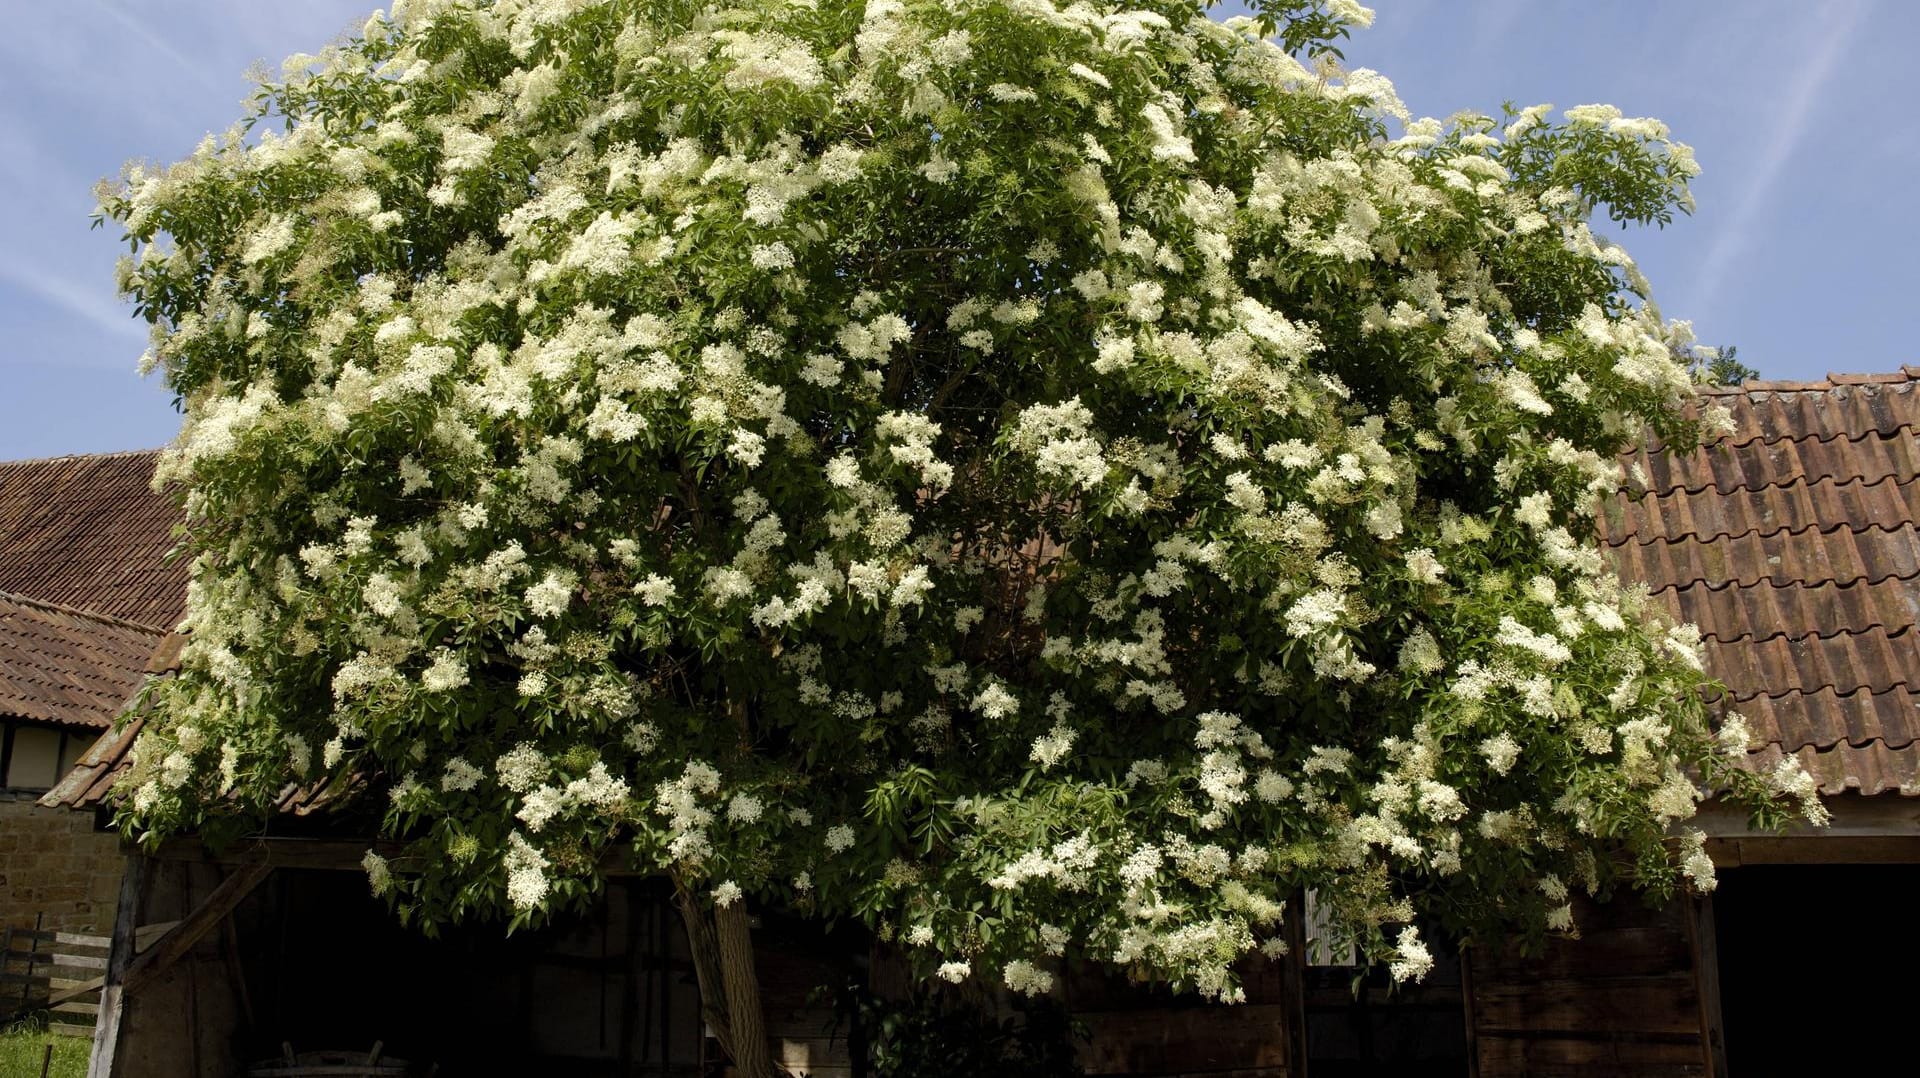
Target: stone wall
{"x": 53, "y": 862}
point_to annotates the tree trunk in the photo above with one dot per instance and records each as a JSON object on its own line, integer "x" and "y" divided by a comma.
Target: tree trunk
{"x": 750, "y": 1053}
{"x": 706, "y": 966}
{"x": 722, "y": 950}
{"x": 723, "y": 965}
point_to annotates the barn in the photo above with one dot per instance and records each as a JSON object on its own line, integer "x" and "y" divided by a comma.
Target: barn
{"x": 86, "y": 594}
{"x": 1792, "y": 542}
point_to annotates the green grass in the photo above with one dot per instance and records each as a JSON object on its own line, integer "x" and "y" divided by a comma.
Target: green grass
{"x": 22, "y": 1047}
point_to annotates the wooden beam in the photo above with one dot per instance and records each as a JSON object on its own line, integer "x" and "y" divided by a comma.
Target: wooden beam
{"x": 282, "y": 852}
{"x": 1837, "y": 850}
{"x": 171, "y": 947}
{"x": 76, "y": 991}
{"x": 1852, "y": 816}
{"x": 1293, "y": 978}
{"x": 106, "y": 1024}
{"x": 1466, "y": 1010}
{"x": 1706, "y": 982}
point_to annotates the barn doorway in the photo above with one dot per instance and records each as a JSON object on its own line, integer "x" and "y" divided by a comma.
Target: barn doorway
{"x": 1818, "y": 968}
{"x": 1361, "y": 1025}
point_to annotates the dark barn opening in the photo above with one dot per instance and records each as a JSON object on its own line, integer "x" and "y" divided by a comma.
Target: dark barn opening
{"x": 1359, "y": 1024}
{"x": 608, "y": 992}
{"x": 1818, "y": 968}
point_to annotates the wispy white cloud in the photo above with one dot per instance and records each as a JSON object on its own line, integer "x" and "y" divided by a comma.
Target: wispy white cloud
{"x": 153, "y": 39}
{"x": 84, "y": 301}
{"x": 1796, "y": 112}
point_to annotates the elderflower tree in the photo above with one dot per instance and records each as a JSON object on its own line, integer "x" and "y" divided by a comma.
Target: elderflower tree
{"x": 1041, "y": 479}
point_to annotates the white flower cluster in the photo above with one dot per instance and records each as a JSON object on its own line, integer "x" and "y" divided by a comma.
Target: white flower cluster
{"x": 1157, "y": 474}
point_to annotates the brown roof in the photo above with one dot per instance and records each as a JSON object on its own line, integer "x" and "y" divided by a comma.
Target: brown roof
{"x": 93, "y": 780}
{"x": 90, "y": 532}
{"x": 68, "y": 667}
{"x": 1793, "y": 544}
{"x": 90, "y": 784}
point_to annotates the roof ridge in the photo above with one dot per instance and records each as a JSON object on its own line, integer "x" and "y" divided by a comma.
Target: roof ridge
{"x": 90, "y": 615}
{"x": 23, "y": 461}
{"x": 1907, "y": 373}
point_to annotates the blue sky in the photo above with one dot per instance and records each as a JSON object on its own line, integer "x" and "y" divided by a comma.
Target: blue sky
{"x": 1804, "y": 116}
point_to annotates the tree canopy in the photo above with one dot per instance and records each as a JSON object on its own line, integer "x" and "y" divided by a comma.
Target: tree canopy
{"x": 1036, "y": 478}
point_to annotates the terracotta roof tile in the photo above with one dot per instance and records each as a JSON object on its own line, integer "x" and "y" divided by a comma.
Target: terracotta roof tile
{"x": 1769, "y": 411}
{"x": 69, "y": 667}
{"x": 1824, "y": 718}
{"x": 89, "y": 532}
{"x": 1707, "y": 514}
{"x": 1792, "y": 543}
{"x": 94, "y": 781}
{"x": 1758, "y": 465}
{"x": 90, "y": 783}
{"x": 1811, "y": 556}
{"x": 1874, "y": 768}
{"x": 1875, "y": 660}
{"x": 1754, "y": 612}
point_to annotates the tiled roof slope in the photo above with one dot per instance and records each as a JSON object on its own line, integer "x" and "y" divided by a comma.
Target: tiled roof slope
{"x": 1794, "y": 543}
{"x": 89, "y": 532}
{"x": 94, "y": 781}
{"x": 66, "y": 666}
{"x": 91, "y": 782}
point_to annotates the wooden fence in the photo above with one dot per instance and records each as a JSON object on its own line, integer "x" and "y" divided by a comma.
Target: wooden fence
{"x": 58, "y": 972}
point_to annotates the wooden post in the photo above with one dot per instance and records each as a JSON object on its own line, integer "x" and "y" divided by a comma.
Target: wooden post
{"x": 630, "y": 979}
{"x": 106, "y": 1026}
{"x": 1293, "y": 978}
{"x": 1706, "y": 981}
{"x": 1466, "y": 1008}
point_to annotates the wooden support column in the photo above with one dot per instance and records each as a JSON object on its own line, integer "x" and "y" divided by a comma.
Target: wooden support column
{"x": 1706, "y": 979}
{"x": 1466, "y": 1010}
{"x": 106, "y": 1025}
{"x": 1294, "y": 982}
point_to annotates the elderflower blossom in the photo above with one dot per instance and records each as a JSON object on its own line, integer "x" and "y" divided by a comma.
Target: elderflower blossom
{"x": 1025, "y": 978}
{"x": 1052, "y": 748}
{"x": 527, "y": 882}
{"x": 379, "y": 876}
{"x": 1501, "y": 752}
{"x": 1412, "y": 960}
{"x": 1109, "y": 414}
{"x": 522, "y": 767}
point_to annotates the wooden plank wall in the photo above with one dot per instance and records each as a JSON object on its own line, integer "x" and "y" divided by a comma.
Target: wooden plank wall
{"x": 1138, "y": 1031}
{"x": 177, "y": 1023}
{"x": 794, "y": 961}
{"x": 1622, "y": 1000}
